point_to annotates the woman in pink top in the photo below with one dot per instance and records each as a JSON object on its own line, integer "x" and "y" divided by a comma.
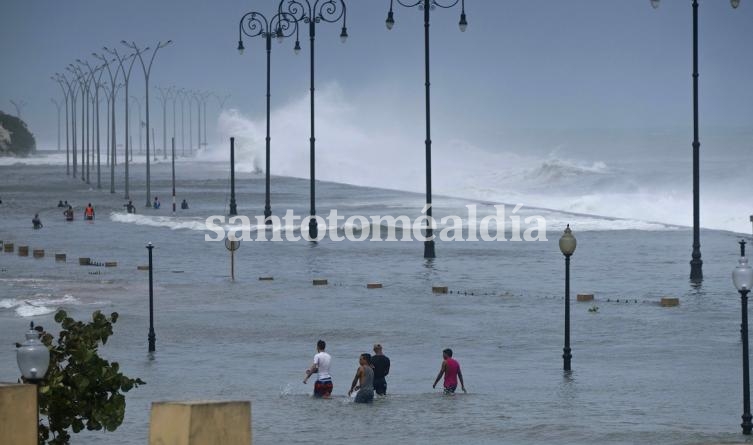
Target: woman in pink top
{"x": 451, "y": 371}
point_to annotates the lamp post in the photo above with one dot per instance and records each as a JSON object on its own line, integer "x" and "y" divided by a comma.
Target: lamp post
{"x": 182, "y": 95}
{"x": 196, "y": 96}
{"x": 147, "y": 72}
{"x": 165, "y": 94}
{"x": 567, "y": 247}
{"x": 141, "y": 125}
{"x": 330, "y": 11}
{"x": 33, "y": 359}
{"x": 127, "y": 78}
{"x": 254, "y": 24}
{"x": 233, "y": 207}
{"x": 151, "y": 337}
{"x": 696, "y": 264}
{"x": 427, "y": 6}
{"x": 742, "y": 277}
{"x": 189, "y": 94}
{"x": 83, "y": 82}
{"x": 97, "y": 86}
{"x": 63, "y": 82}
{"x": 57, "y": 107}
{"x": 112, "y": 139}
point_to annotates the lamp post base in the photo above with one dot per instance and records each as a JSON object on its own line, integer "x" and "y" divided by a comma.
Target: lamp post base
{"x": 696, "y": 269}
{"x": 747, "y": 425}
{"x": 566, "y": 356}
{"x": 233, "y": 208}
{"x": 267, "y": 214}
{"x": 313, "y": 229}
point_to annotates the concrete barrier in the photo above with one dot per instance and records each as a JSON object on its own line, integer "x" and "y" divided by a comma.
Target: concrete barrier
{"x": 320, "y": 281}
{"x": 142, "y": 267}
{"x": 84, "y": 261}
{"x": 111, "y": 264}
{"x": 200, "y": 423}
{"x": 585, "y": 297}
{"x": 60, "y": 257}
{"x": 266, "y": 278}
{"x": 23, "y": 250}
{"x": 38, "y": 253}
{"x": 669, "y": 302}
{"x": 373, "y": 285}
{"x": 8, "y": 247}
{"x": 439, "y": 289}
{"x": 18, "y": 418}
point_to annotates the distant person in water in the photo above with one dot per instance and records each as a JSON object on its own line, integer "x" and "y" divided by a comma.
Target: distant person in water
{"x": 130, "y": 208}
{"x": 36, "y": 221}
{"x": 363, "y": 382}
{"x": 156, "y": 203}
{"x": 89, "y": 212}
{"x": 60, "y": 203}
{"x": 381, "y": 365}
{"x": 184, "y": 205}
{"x": 451, "y": 370}
{"x": 65, "y": 204}
{"x": 323, "y": 385}
{"x": 68, "y": 213}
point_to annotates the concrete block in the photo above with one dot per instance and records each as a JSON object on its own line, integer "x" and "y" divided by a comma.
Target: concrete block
{"x": 23, "y": 250}
{"x": 111, "y": 264}
{"x": 669, "y": 301}
{"x": 439, "y": 289}
{"x": 373, "y": 285}
{"x": 8, "y": 247}
{"x": 60, "y": 257}
{"x": 200, "y": 423}
{"x": 38, "y": 253}
{"x": 585, "y": 297}
{"x": 320, "y": 281}
{"x": 142, "y": 267}
{"x": 18, "y": 414}
{"x": 84, "y": 261}
{"x": 266, "y": 278}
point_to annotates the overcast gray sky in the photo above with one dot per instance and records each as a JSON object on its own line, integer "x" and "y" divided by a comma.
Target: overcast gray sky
{"x": 522, "y": 69}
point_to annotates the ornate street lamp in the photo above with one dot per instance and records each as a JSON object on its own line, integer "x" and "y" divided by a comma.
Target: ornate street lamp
{"x": 281, "y": 25}
{"x": 122, "y": 61}
{"x": 742, "y": 277}
{"x": 329, "y": 11}
{"x": 696, "y": 264}
{"x": 567, "y": 247}
{"x": 33, "y": 357}
{"x": 147, "y": 71}
{"x": 112, "y": 97}
{"x": 426, "y": 6}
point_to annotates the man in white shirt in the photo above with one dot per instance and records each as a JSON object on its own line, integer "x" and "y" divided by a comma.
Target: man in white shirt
{"x": 323, "y": 384}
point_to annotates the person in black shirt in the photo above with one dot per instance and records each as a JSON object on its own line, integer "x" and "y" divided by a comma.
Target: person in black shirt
{"x": 381, "y": 365}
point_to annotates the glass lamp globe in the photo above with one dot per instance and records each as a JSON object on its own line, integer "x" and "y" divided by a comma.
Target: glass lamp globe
{"x": 742, "y": 276}
{"x": 33, "y": 357}
{"x": 734, "y": 3}
{"x": 655, "y": 3}
{"x": 568, "y": 242}
{"x": 344, "y": 35}
{"x": 390, "y": 22}
{"x": 463, "y": 23}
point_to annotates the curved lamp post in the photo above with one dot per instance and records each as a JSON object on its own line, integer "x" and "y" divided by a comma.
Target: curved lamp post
{"x": 147, "y": 71}
{"x": 742, "y": 277}
{"x": 113, "y": 94}
{"x": 165, "y": 95}
{"x": 57, "y": 107}
{"x": 280, "y": 26}
{"x": 141, "y": 130}
{"x": 126, "y": 78}
{"x": 97, "y": 86}
{"x": 67, "y": 93}
{"x": 83, "y": 82}
{"x": 567, "y": 247}
{"x": 696, "y": 264}
{"x": 330, "y": 11}
{"x": 426, "y": 6}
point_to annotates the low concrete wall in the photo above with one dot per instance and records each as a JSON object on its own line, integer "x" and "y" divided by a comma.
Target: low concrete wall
{"x": 18, "y": 414}
{"x": 200, "y": 423}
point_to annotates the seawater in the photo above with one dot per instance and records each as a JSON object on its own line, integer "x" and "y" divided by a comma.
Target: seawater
{"x": 641, "y": 373}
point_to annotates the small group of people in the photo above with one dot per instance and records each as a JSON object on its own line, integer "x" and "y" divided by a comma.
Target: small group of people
{"x": 371, "y": 374}
{"x": 63, "y": 204}
{"x": 88, "y": 212}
